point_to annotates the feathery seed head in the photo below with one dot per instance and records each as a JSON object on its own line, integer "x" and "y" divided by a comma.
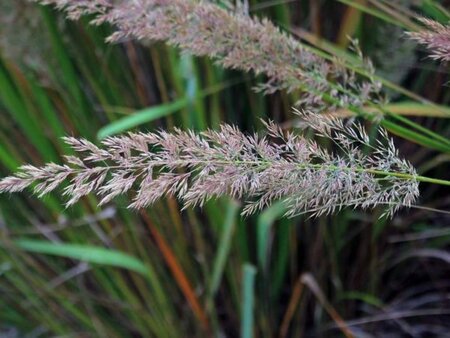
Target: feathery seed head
{"x": 197, "y": 167}
{"x": 436, "y": 38}
{"x": 234, "y": 40}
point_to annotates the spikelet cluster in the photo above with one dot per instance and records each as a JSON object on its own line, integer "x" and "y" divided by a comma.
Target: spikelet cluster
{"x": 234, "y": 40}
{"x": 258, "y": 169}
{"x": 436, "y": 38}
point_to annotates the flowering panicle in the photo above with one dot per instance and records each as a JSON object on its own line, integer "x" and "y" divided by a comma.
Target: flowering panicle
{"x": 436, "y": 38}
{"x": 235, "y": 40}
{"x": 258, "y": 169}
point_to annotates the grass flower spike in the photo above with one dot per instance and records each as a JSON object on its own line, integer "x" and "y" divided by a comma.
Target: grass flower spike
{"x": 436, "y": 38}
{"x": 258, "y": 169}
{"x": 234, "y": 40}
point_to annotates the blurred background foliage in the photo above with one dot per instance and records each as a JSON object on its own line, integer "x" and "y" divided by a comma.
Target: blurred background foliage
{"x": 86, "y": 272}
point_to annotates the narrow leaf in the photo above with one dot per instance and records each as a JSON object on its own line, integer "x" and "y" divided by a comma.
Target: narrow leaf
{"x": 86, "y": 253}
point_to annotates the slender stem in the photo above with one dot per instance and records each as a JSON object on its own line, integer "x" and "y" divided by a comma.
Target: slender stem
{"x": 409, "y": 176}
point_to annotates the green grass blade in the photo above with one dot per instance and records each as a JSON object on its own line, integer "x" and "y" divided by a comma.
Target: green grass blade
{"x": 12, "y": 100}
{"x": 101, "y": 256}
{"x": 419, "y": 128}
{"x": 61, "y": 53}
{"x": 156, "y": 112}
{"x": 141, "y": 117}
{"x": 377, "y": 14}
{"x": 281, "y": 257}
{"x": 436, "y": 11}
{"x": 7, "y": 160}
{"x": 264, "y": 223}
{"x": 248, "y": 300}
{"x": 224, "y": 247}
{"x": 86, "y": 253}
{"x": 195, "y": 108}
{"x": 404, "y": 108}
{"x": 48, "y": 111}
{"x": 414, "y": 137}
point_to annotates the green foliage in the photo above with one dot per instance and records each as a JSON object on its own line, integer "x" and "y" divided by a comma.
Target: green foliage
{"x": 72, "y": 272}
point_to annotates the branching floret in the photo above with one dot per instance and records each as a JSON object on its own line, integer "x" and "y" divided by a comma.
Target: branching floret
{"x": 258, "y": 169}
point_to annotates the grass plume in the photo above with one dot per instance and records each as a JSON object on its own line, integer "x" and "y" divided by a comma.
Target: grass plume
{"x": 234, "y": 40}
{"x": 259, "y": 169}
{"x": 436, "y": 38}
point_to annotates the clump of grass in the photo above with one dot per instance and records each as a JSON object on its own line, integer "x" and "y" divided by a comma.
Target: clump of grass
{"x": 391, "y": 286}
